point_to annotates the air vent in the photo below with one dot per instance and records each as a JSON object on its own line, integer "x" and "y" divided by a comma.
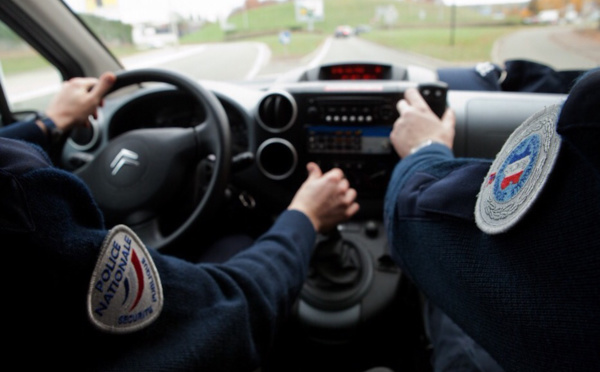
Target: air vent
{"x": 277, "y": 158}
{"x": 84, "y": 138}
{"x": 277, "y": 112}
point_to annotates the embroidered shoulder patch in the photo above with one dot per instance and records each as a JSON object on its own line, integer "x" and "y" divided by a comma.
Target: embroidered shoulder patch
{"x": 518, "y": 173}
{"x": 125, "y": 292}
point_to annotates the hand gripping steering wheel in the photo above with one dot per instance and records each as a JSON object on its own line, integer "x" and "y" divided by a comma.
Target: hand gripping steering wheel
{"x": 138, "y": 172}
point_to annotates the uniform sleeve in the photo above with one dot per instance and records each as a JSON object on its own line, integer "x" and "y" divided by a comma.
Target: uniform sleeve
{"x": 405, "y": 169}
{"x": 26, "y": 131}
{"x": 215, "y": 317}
{"x": 224, "y": 317}
{"x": 430, "y": 185}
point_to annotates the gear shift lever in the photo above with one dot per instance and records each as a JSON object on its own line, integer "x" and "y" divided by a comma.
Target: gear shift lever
{"x": 336, "y": 264}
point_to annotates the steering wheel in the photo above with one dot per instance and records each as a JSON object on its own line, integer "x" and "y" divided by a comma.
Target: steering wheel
{"x": 136, "y": 173}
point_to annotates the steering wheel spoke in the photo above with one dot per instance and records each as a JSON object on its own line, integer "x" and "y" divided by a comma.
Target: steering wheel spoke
{"x": 206, "y": 133}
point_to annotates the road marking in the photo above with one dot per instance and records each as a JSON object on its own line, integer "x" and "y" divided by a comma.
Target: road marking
{"x": 147, "y": 59}
{"x": 264, "y": 54}
{"x": 322, "y": 52}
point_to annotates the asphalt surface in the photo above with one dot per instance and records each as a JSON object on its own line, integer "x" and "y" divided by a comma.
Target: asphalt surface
{"x": 559, "y": 47}
{"x": 562, "y": 48}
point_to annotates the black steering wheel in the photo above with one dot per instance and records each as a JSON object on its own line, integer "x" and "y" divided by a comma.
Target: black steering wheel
{"x": 136, "y": 173}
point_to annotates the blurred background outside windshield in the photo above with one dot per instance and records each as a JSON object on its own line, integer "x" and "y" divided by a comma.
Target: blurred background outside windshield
{"x": 237, "y": 40}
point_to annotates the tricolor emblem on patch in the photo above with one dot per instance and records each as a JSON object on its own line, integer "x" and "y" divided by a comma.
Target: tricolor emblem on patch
{"x": 125, "y": 292}
{"x": 518, "y": 173}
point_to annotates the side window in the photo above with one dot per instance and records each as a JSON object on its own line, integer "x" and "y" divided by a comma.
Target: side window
{"x": 29, "y": 81}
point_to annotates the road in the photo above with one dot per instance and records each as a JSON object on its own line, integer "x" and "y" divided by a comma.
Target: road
{"x": 562, "y": 48}
{"x": 220, "y": 61}
{"x": 559, "y": 47}
{"x": 247, "y": 60}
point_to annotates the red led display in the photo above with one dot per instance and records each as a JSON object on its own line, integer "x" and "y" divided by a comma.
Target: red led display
{"x": 356, "y": 72}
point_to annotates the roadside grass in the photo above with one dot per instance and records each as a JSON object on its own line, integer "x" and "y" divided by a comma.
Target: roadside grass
{"x": 463, "y": 45}
{"x": 418, "y": 27}
{"x": 470, "y": 44}
{"x": 27, "y": 59}
{"x": 22, "y": 61}
{"x": 302, "y": 43}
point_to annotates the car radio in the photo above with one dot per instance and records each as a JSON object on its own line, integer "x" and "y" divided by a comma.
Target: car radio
{"x": 359, "y": 123}
{"x": 337, "y": 124}
{"x": 348, "y": 126}
{"x": 351, "y": 125}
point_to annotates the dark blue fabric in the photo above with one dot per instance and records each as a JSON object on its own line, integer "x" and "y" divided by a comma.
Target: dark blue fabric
{"x": 216, "y": 317}
{"x": 528, "y": 296}
{"x": 17, "y": 157}
{"x": 483, "y": 77}
{"x": 530, "y": 76}
{"x": 530, "y": 302}
{"x": 580, "y": 115}
{"x": 443, "y": 191}
{"x": 25, "y": 130}
{"x": 517, "y": 76}
{"x": 453, "y": 349}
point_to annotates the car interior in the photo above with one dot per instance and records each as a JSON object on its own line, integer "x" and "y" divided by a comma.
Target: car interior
{"x": 225, "y": 158}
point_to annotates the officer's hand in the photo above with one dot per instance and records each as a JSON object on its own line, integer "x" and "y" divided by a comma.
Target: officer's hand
{"x": 417, "y": 124}
{"x": 77, "y": 99}
{"x": 326, "y": 199}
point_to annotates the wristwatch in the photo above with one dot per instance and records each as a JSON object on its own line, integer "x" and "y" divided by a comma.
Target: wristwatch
{"x": 54, "y": 133}
{"x": 421, "y": 145}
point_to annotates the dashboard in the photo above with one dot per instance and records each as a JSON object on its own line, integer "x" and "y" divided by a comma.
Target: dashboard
{"x": 340, "y": 124}
{"x": 338, "y": 115}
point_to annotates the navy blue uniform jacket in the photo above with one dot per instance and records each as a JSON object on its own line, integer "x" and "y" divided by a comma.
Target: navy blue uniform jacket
{"x": 530, "y": 297}
{"x": 216, "y": 317}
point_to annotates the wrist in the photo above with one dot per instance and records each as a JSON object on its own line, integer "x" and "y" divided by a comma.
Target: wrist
{"x": 421, "y": 145}
{"x": 50, "y": 129}
{"x": 314, "y": 221}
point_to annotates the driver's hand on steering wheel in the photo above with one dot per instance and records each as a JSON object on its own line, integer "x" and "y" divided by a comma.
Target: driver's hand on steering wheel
{"x": 77, "y": 99}
{"x": 326, "y": 199}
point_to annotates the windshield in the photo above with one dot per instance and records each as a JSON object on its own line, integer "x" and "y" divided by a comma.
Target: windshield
{"x": 245, "y": 40}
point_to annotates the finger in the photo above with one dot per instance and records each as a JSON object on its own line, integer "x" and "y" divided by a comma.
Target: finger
{"x": 344, "y": 185}
{"x": 413, "y": 97}
{"x": 350, "y": 196}
{"x": 449, "y": 119}
{"x": 84, "y": 81}
{"x": 352, "y": 209}
{"x": 335, "y": 174}
{"x": 314, "y": 171}
{"x": 402, "y": 106}
{"x": 104, "y": 84}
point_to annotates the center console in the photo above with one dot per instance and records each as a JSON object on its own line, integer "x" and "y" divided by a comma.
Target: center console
{"x": 336, "y": 124}
{"x": 352, "y": 278}
{"x": 352, "y": 282}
